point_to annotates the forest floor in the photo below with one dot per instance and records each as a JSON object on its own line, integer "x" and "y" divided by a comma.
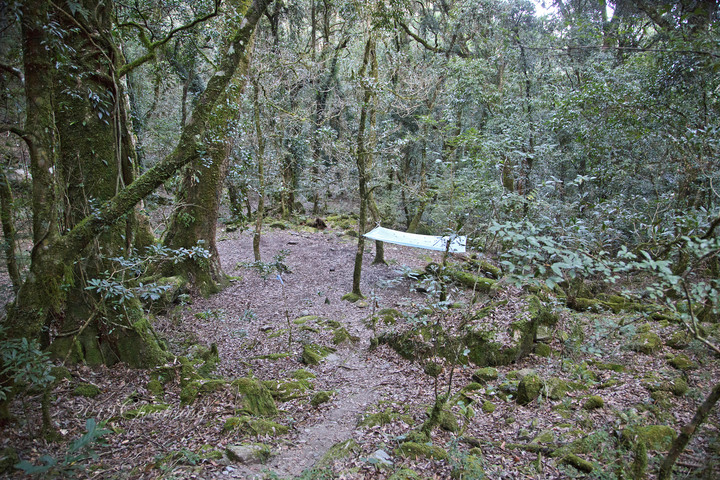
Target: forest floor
{"x": 350, "y": 415}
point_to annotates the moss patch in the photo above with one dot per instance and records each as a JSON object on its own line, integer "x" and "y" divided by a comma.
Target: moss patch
{"x": 86, "y": 390}
{"x": 321, "y": 397}
{"x": 655, "y": 437}
{"x": 682, "y": 362}
{"x": 256, "y": 398}
{"x": 313, "y": 354}
{"x": 415, "y": 450}
{"x": 259, "y": 427}
{"x": 593, "y": 403}
{"x": 529, "y": 389}
{"x": 646, "y": 342}
{"x": 484, "y": 375}
{"x": 351, "y": 297}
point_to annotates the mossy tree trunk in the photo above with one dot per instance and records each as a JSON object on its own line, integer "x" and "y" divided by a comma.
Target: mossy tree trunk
{"x": 260, "y": 212}
{"x": 363, "y": 157}
{"x": 108, "y": 195}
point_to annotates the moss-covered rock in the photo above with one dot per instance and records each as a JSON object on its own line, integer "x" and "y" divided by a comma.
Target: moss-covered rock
{"x": 86, "y": 390}
{"x": 541, "y": 311}
{"x": 321, "y": 397}
{"x": 302, "y": 374}
{"x": 448, "y": 422}
{"x": 556, "y": 388}
{"x": 484, "y": 375}
{"x": 338, "y": 451}
{"x": 248, "y": 454}
{"x": 488, "y": 406}
{"x": 314, "y": 354}
{"x": 679, "y": 340}
{"x": 156, "y": 388}
{"x": 682, "y": 362}
{"x": 529, "y": 389}
{"x": 256, "y": 398}
{"x": 593, "y": 403}
{"x": 284, "y": 391}
{"x": 544, "y": 437}
{"x": 613, "y": 367}
{"x": 646, "y": 342}
{"x": 543, "y": 350}
{"x": 259, "y": 427}
{"x": 341, "y": 335}
{"x": 655, "y": 437}
{"x": 415, "y": 450}
{"x": 405, "y": 474}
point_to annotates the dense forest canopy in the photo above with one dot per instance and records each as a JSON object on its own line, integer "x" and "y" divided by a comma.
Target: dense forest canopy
{"x": 581, "y": 144}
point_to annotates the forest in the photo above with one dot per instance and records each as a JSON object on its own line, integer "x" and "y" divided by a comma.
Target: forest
{"x": 186, "y": 286}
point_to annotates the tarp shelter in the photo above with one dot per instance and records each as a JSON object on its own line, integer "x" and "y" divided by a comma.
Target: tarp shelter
{"x": 429, "y": 242}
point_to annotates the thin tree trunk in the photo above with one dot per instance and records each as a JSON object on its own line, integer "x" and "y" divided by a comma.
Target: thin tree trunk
{"x": 362, "y": 160}
{"x": 8, "y": 228}
{"x": 260, "y": 213}
{"x": 678, "y": 446}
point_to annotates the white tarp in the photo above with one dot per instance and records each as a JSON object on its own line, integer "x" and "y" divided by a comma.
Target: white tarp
{"x": 430, "y": 242}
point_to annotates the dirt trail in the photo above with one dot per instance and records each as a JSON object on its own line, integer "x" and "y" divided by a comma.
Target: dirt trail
{"x": 321, "y": 268}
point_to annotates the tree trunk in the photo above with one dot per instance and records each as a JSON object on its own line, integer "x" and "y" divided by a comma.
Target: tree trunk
{"x": 42, "y": 297}
{"x": 363, "y": 159}
{"x": 260, "y": 212}
{"x": 8, "y": 229}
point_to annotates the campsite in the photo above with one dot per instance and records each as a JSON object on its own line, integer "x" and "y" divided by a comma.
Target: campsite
{"x": 360, "y": 239}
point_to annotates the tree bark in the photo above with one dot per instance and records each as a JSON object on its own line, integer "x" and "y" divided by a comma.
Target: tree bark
{"x": 362, "y": 158}
{"x": 38, "y": 297}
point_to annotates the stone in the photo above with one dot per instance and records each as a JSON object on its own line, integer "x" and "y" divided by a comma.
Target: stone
{"x": 529, "y": 389}
{"x": 248, "y": 454}
{"x": 321, "y": 397}
{"x": 415, "y": 450}
{"x": 488, "y": 406}
{"x": 484, "y": 375}
{"x": 593, "y": 403}
{"x": 86, "y": 390}
{"x": 655, "y": 437}
{"x": 646, "y": 342}
{"x": 682, "y": 362}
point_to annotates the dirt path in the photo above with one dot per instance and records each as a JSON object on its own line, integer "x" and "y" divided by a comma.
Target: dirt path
{"x": 320, "y": 273}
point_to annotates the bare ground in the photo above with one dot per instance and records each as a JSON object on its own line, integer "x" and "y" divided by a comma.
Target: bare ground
{"x": 249, "y": 323}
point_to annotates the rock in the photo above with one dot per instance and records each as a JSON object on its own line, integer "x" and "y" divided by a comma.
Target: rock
{"x": 682, "y": 362}
{"x": 259, "y": 427}
{"x": 405, "y": 474}
{"x": 380, "y": 457}
{"x": 655, "y": 437}
{"x": 484, "y": 375}
{"x": 415, "y": 450}
{"x": 529, "y": 389}
{"x": 646, "y": 342}
{"x": 593, "y": 403}
{"x": 248, "y": 454}
{"x": 556, "y": 388}
{"x": 313, "y": 354}
{"x": 546, "y": 436}
{"x": 543, "y": 334}
{"x": 321, "y": 397}
{"x": 86, "y": 390}
{"x": 257, "y": 399}
{"x": 488, "y": 406}
{"x": 448, "y": 422}
{"x": 679, "y": 340}
{"x": 543, "y": 350}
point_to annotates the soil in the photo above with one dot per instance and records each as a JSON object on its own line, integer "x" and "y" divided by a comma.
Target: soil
{"x": 253, "y": 324}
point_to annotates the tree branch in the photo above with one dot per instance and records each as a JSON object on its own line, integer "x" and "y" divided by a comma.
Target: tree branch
{"x": 152, "y": 47}
{"x": 429, "y": 47}
{"x": 16, "y": 72}
{"x": 17, "y": 131}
